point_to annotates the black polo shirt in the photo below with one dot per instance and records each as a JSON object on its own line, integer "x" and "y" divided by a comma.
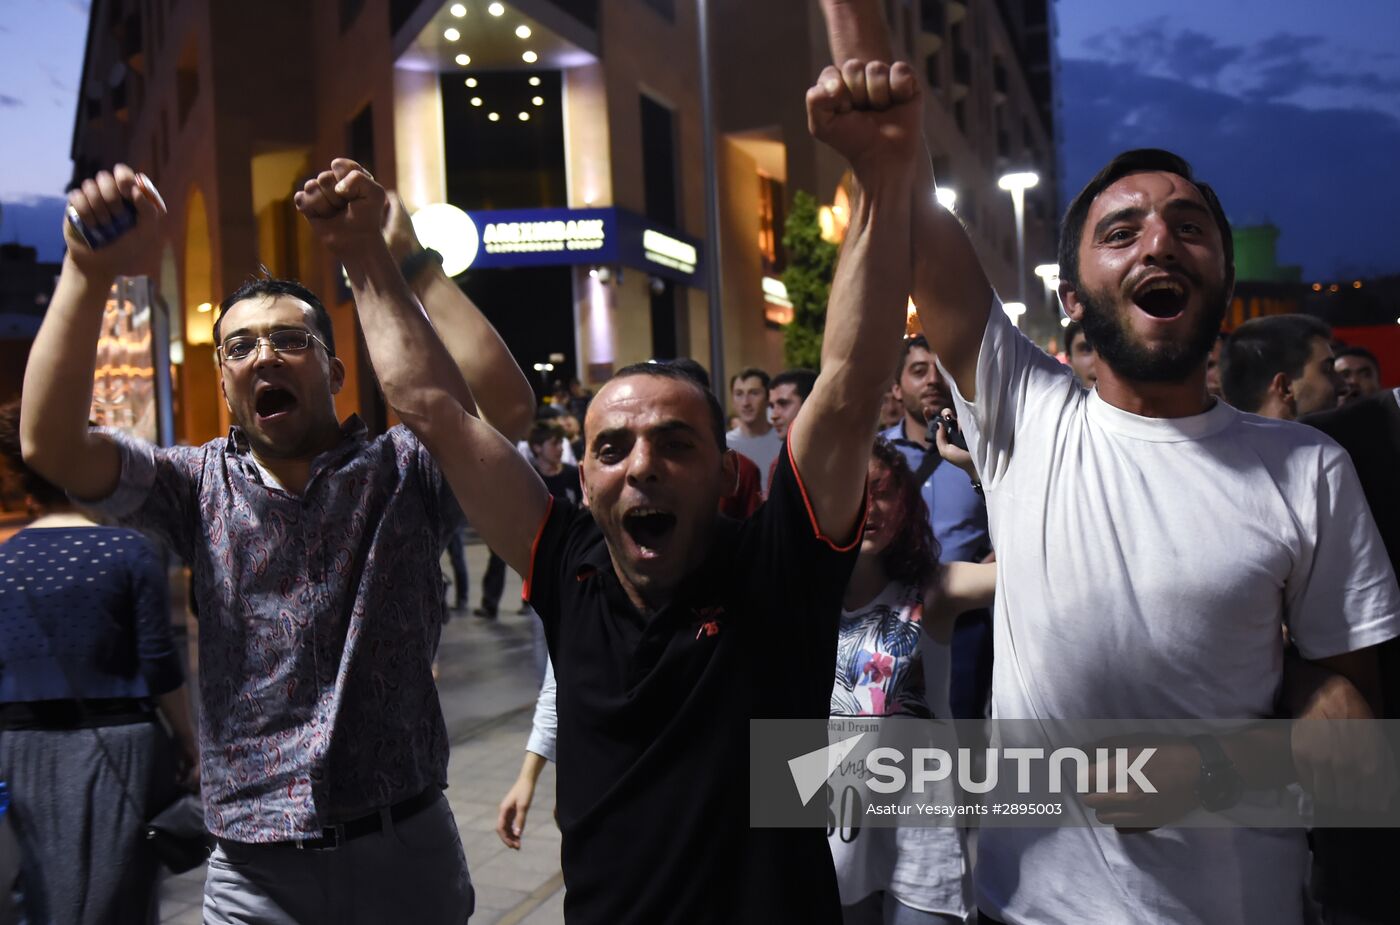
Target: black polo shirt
{"x": 653, "y": 717}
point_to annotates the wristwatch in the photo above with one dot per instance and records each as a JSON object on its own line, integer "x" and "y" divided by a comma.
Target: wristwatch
{"x": 1220, "y": 786}
{"x": 414, "y": 263}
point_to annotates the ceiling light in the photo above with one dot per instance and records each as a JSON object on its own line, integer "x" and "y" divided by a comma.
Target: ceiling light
{"x": 522, "y": 32}
{"x": 496, "y": 9}
{"x": 451, "y": 35}
{"x": 476, "y": 101}
{"x": 539, "y": 101}
{"x": 534, "y": 81}
{"x": 204, "y": 307}
{"x": 471, "y": 81}
{"x": 457, "y": 10}
{"x": 529, "y": 57}
{"x": 494, "y": 117}
{"x": 524, "y": 117}
{"x": 464, "y": 60}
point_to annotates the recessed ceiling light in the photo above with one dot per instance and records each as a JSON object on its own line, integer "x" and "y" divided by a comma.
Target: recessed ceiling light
{"x": 457, "y": 10}
{"x": 476, "y": 101}
{"x": 464, "y": 60}
{"x": 522, "y": 32}
{"x": 524, "y": 117}
{"x": 496, "y": 9}
{"x": 451, "y": 35}
{"x": 494, "y": 117}
{"x": 538, "y": 100}
{"x": 471, "y": 81}
{"x": 529, "y": 57}
{"x": 534, "y": 81}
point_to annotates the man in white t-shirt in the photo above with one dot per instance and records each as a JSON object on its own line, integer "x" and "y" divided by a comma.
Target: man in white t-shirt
{"x": 1151, "y": 540}
{"x": 755, "y": 437}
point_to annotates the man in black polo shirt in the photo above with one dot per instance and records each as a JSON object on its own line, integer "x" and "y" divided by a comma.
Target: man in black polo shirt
{"x": 669, "y": 626}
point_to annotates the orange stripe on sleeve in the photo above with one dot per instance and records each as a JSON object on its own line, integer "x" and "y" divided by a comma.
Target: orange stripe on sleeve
{"x": 807, "y": 503}
{"x": 534, "y": 550}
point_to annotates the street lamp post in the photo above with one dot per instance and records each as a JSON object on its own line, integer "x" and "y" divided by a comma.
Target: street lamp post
{"x": 711, "y": 161}
{"x": 1016, "y": 184}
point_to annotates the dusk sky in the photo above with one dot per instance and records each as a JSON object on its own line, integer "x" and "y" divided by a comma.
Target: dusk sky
{"x": 1290, "y": 108}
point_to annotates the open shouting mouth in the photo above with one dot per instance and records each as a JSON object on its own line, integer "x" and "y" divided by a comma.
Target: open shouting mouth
{"x": 272, "y": 402}
{"x": 650, "y": 529}
{"x": 1162, "y": 297}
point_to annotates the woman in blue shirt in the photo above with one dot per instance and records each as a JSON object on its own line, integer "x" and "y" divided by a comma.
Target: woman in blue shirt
{"x": 86, "y": 661}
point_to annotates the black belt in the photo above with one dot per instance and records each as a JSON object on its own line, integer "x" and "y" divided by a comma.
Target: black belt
{"x": 59, "y": 715}
{"x": 333, "y": 836}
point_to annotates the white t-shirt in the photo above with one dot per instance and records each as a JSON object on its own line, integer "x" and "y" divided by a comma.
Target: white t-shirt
{"x": 762, "y": 450}
{"x": 886, "y": 665}
{"x": 1145, "y": 567}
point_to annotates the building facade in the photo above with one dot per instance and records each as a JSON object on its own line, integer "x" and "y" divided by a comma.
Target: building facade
{"x": 569, "y": 132}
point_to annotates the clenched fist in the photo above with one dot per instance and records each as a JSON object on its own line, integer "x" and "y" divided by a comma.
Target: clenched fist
{"x": 102, "y": 204}
{"x": 345, "y": 207}
{"x": 869, "y": 112}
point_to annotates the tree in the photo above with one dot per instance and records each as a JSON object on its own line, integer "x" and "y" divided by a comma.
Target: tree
{"x": 811, "y": 265}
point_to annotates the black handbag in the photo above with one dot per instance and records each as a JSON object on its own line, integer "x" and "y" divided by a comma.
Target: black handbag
{"x": 177, "y": 835}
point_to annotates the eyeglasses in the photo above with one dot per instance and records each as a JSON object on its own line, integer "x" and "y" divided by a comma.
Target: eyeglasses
{"x": 287, "y": 340}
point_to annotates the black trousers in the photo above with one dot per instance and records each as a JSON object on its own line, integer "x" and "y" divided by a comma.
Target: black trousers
{"x": 493, "y": 583}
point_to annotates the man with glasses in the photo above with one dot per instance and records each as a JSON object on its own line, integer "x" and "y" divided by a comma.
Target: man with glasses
{"x": 314, "y": 552}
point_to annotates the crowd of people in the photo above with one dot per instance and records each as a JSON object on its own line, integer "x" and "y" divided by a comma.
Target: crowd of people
{"x": 1167, "y": 524}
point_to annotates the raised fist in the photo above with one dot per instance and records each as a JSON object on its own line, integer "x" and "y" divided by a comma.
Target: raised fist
{"x": 869, "y": 112}
{"x": 121, "y": 212}
{"x": 345, "y": 207}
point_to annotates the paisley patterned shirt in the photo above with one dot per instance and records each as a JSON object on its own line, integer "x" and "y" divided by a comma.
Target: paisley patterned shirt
{"x": 319, "y": 616}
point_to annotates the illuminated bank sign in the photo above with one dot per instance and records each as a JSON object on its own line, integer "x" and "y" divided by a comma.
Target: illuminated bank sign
{"x": 588, "y": 235}
{"x": 500, "y": 239}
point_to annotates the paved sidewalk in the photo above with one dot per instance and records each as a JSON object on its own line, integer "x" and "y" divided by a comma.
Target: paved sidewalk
{"x": 512, "y": 888}
{"x": 488, "y": 701}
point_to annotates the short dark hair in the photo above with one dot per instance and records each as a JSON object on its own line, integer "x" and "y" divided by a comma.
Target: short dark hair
{"x": 1260, "y": 349}
{"x": 269, "y": 287}
{"x": 801, "y": 380}
{"x": 916, "y": 341}
{"x": 32, "y": 483}
{"x": 691, "y": 368}
{"x": 1362, "y": 352}
{"x": 1140, "y": 160}
{"x": 1072, "y": 330}
{"x": 751, "y": 372}
{"x": 682, "y": 372}
{"x": 543, "y": 431}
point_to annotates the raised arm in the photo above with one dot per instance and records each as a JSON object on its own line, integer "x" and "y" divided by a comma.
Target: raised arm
{"x": 503, "y": 394}
{"x": 950, "y": 289}
{"x": 57, "y": 394}
{"x": 498, "y": 491}
{"x": 870, "y": 114}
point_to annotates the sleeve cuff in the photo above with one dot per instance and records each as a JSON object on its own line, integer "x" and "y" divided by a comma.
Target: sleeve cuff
{"x": 137, "y": 478}
{"x": 534, "y": 550}
{"x": 163, "y": 675}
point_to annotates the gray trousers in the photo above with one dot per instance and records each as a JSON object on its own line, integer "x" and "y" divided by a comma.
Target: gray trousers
{"x": 83, "y": 858}
{"x": 410, "y": 871}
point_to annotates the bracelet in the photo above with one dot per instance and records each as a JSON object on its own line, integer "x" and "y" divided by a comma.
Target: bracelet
{"x": 414, "y": 263}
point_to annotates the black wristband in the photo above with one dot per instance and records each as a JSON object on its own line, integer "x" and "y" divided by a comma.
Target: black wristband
{"x": 415, "y": 263}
